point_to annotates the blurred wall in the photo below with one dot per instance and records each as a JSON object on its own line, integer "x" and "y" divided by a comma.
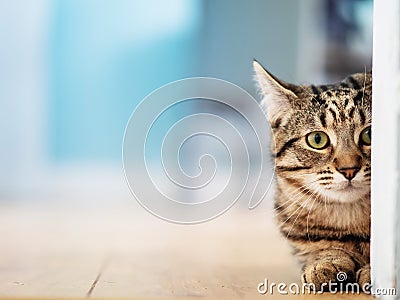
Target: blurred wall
{"x": 234, "y": 33}
{"x": 106, "y": 56}
{"x": 23, "y": 91}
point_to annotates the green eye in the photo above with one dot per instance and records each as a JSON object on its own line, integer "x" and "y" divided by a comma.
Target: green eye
{"x": 317, "y": 140}
{"x": 365, "y": 136}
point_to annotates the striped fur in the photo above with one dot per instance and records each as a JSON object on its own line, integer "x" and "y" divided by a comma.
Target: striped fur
{"x": 324, "y": 214}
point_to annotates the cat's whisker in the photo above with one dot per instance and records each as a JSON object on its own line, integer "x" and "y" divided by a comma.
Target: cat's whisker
{"x": 305, "y": 205}
{"x": 302, "y": 205}
{"x": 288, "y": 207}
{"x": 295, "y": 220}
{"x": 299, "y": 190}
{"x": 293, "y": 213}
{"x": 325, "y": 200}
{"x": 290, "y": 198}
{"x": 308, "y": 215}
{"x": 277, "y": 208}
{"x": 300, "y": 196}
{"x": 295, "y": 201}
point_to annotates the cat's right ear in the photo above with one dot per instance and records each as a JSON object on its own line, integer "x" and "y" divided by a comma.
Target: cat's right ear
{"x": 276, "y": 94}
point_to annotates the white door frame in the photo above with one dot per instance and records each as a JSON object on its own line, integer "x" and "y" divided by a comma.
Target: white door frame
{"x": 385, "y": 151}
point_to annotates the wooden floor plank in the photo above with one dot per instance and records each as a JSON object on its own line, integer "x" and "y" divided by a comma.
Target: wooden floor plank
{"x": 129, "y": 254}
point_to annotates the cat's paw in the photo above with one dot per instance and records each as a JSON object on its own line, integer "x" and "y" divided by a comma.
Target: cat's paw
{"x": 323, "y": 271}
{"x": 363, "y": 276}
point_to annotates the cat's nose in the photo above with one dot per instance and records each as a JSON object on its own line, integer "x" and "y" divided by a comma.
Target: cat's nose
{"x": 349, "y": 173}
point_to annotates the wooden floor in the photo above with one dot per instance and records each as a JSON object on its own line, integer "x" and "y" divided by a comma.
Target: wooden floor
{"x": 110, "y": 248}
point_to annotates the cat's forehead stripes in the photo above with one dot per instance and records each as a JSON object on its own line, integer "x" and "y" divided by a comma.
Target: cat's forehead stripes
{"x": 339, "y": 104}
{"x": 347, "y": 85}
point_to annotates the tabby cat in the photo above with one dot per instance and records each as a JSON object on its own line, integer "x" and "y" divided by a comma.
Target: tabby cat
{"x": 322, "y": 156}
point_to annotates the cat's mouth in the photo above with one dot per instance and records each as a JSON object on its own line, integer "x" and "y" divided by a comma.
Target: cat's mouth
{"x": 347, "y": 191}
{"x": 350, "y": 187}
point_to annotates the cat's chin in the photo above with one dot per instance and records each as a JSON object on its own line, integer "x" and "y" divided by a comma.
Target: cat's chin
{"x": 346, "y": 193}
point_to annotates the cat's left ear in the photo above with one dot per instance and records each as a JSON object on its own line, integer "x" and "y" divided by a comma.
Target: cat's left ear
{"x": 276, "y": 94}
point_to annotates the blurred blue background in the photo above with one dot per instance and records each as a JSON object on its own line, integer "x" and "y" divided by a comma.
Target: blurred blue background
{"x": 103, "y": 59}
{"x": 73, "y": 71}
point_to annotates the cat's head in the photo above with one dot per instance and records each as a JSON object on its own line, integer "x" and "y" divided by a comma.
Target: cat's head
{"x": 322, "y": 134}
